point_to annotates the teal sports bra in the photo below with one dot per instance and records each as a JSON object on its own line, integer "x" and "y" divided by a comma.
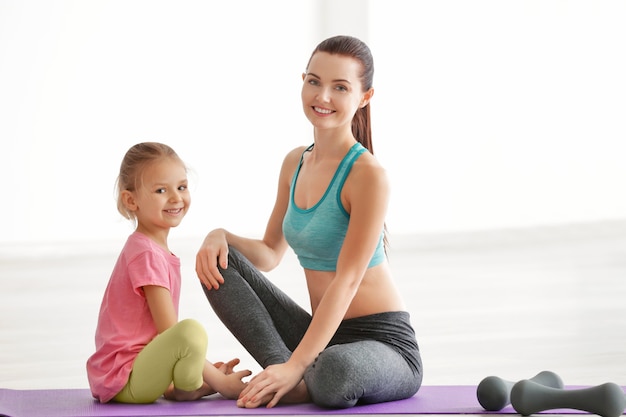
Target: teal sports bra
{"x": 316, "y": 234}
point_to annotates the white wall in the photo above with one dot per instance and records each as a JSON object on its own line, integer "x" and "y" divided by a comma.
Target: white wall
{"x": 487, "y": 114}
{"x": 496, "y": 114}
{"x": 80, "y": 82}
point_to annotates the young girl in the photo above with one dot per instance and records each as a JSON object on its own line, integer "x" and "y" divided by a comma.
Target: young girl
{"x": 142, "y": 351}
{"x": 358, "y": 345}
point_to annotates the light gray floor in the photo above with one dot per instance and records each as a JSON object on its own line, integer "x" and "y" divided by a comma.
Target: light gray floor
{"x": 506, "y": 303}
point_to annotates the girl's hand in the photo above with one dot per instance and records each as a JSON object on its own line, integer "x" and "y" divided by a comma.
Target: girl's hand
{"x": 228, "y": 367}
{"x": 269, "y": 386}
{"x": 213, "y": 249}
{"x": 223, "y": 378}
{"x": 232, "y": 384}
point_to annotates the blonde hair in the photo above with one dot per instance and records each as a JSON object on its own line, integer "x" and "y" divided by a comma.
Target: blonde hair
{"x": 135, "y": 161}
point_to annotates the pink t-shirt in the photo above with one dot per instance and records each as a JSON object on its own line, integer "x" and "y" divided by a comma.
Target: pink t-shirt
{"x": 125, "y": 324}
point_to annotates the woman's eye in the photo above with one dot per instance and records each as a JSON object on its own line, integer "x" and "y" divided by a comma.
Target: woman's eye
{"x": 341, "y": 88}
{"x": 313, "y": 82}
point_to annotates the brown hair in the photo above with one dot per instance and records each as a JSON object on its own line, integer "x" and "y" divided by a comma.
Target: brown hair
{"x": 355, "y": 48}
{"x": 136, "y": 159}
{"x": 361, "y": 122}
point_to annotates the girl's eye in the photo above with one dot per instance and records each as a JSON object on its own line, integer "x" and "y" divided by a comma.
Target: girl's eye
{"x": 160, "y": 190}
{"x": 182, "y": 188}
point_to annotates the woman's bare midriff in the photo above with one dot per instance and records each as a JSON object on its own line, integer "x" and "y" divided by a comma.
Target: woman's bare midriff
{"x": 376, "y": 294}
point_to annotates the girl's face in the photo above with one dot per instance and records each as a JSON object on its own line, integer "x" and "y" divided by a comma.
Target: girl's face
{"x": 162, "y": 198}
{"x": 332, "y": 91}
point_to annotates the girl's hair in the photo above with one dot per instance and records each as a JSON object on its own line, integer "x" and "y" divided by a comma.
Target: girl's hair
{"x": 137, "y": 158}
{"x": 361, "y": 124}
{"x": 355, "y": 48}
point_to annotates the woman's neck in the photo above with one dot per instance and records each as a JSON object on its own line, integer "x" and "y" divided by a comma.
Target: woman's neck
{"x": 332, "y": 143}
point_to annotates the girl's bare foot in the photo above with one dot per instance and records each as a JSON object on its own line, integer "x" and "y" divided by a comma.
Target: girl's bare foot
{"x": 175, "y": 394}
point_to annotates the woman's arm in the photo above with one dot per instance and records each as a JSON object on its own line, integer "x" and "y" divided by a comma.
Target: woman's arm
{"x": 366, "y": 199}
{"x": 264, "y": 253}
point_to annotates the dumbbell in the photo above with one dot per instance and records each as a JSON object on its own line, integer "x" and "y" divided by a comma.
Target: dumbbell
{"x": 494, "y": 392}
{"x": 607, "y": 400}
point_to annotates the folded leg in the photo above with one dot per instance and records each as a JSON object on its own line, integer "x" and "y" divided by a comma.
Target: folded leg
{"x": 267, "y": 322}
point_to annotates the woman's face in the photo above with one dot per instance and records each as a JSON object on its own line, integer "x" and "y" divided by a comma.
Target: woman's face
{"x": 332, "y": 91}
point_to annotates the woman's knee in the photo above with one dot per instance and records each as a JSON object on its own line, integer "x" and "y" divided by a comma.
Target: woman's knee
{"x": 343, "y": 375}
{"x": 331, "y": 380}
{"x": 238, "y": 262}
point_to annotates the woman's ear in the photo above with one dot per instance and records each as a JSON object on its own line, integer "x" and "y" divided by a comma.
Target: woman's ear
{"x": 367, "y": 97}
{"x": 128, "y": 199}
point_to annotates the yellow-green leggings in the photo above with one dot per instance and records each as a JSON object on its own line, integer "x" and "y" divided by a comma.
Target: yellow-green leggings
{"x": 177, "y": 355}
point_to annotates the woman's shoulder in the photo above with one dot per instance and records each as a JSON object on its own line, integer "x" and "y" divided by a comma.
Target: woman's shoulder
{"x": 297, "y": 152}
{"x": 292, "y": 158}
{"x": 368, "y": 175}
{"x": 368, "y": 167}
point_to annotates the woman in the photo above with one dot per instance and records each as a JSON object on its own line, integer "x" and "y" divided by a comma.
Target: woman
{"x": 330, "y": 208}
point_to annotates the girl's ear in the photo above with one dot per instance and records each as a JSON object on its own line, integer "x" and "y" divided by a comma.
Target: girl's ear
{"x": 367, "y": 97}
{"x": 128, "y": 199}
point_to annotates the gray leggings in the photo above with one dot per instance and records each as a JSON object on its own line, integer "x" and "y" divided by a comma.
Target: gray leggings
{"x": 370, "y": 359}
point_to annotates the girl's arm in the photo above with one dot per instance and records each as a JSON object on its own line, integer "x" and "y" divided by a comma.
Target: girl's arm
{"x": 225, "y": 381}
{"x": 161, "y": 307}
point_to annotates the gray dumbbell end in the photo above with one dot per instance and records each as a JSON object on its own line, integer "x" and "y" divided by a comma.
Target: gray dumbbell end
{"x": 493, "y": 392}
{"x": 548, "y": 379}
{"x": 607, "y": 400}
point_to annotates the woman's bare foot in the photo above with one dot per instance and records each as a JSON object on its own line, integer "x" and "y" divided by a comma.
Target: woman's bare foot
{"x": 298, "y": 395}
{"x": 255, "y": 404}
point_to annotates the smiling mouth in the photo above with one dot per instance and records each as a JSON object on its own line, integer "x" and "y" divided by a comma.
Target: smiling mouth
{"x": 174, "y": 211}
{"x": 322, "y": 110}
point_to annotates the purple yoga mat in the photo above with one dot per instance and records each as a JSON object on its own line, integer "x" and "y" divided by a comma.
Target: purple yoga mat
{"x": 442, "y": 399}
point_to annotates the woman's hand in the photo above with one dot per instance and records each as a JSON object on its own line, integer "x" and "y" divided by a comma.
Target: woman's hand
{"x": 270, "y": 385}
{"x": 214, "y": 249}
